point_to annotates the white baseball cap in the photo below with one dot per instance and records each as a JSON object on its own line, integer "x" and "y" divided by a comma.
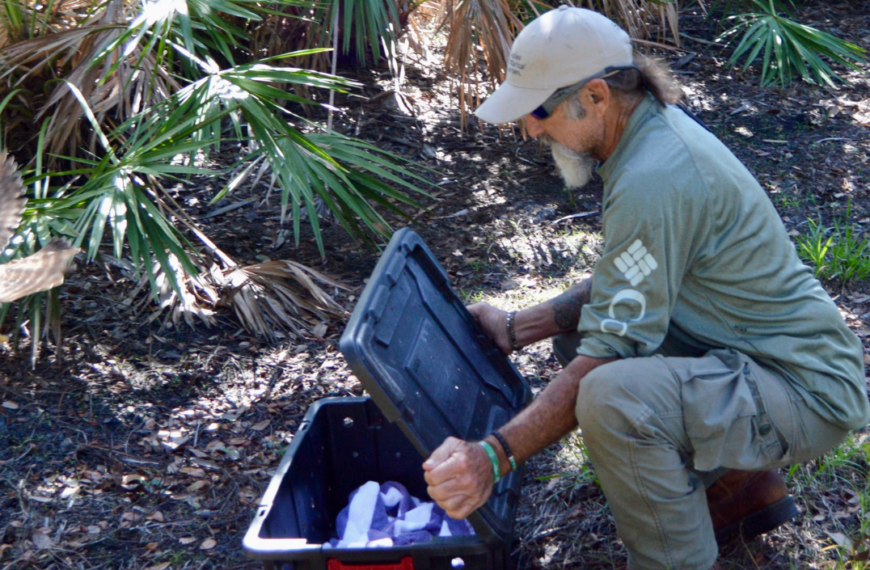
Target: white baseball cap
{"x": 558, "y": 49}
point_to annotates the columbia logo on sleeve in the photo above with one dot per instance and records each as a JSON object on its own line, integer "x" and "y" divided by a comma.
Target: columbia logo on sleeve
{"x": 635, "y": 263}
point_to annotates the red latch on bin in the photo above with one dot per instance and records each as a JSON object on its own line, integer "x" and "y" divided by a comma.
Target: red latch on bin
{"x": 407, "y": 563}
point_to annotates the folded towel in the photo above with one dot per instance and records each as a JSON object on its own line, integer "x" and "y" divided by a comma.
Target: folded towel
{"x": 387, "y": 515}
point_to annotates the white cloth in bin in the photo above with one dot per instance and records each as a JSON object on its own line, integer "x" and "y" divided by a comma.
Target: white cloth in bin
{"x": 387, "y": 515}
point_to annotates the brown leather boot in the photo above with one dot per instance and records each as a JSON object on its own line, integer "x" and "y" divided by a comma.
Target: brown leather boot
{"x": 749, "y": 503}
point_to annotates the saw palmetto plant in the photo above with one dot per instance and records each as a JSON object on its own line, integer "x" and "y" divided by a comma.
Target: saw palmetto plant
{"x": 110, "y": 101}
{"x": 119, "y": 86}
{"x": 140, "y": 95}
{"x": 787, "y": 48}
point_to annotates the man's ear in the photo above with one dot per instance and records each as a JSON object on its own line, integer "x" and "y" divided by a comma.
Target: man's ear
{"x": 598, "y": 94}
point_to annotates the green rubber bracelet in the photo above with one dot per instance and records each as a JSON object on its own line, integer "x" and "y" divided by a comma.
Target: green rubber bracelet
{"x": 493, "y": 460}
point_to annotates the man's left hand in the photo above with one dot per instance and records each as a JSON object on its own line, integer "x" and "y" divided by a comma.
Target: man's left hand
{"x": 459, "y": 475}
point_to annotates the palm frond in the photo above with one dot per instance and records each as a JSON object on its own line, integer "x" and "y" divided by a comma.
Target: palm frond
{"x": 486, "y": 24}
{"x": 193, "y": 297}
{"x": 337, "y": 169}
{"x": 148, "y": 93}
{"x": 26, "y": 19}
{"x": 113, "y": 86}
{"x": 788, "y": 48}
{"x": 277, "y": 296}
{"x": 640, "y": 18}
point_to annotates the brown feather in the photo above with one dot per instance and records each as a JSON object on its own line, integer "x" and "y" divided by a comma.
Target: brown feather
{"x": 12, "y": 199}
{"x": 38, "y": 272}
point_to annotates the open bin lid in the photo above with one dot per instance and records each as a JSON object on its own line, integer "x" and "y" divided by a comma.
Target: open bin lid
{"x": 430, "y": 368}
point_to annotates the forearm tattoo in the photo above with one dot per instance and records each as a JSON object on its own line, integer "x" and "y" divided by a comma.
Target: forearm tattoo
{"x": 567, "y": 306}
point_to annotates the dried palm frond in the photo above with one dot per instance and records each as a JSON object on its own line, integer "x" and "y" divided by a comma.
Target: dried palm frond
{"x": 121, "y": 85}
{"x": 192, "y": 298}
{"x": 28, "y": 278}
{"x": 640, "y": 18}
{"x": 25, "y": 19}
{"x": 279, "y": 296}
{"x": 487, "y": 25}
{"x": 268, "y": 298}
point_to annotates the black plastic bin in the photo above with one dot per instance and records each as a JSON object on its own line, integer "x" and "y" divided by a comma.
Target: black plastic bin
{"x": 432, "y": 373}
{"x": 341, "y": 444}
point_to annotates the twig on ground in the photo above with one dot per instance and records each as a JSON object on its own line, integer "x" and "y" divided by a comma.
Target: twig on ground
{"x": 657, "y": 45}
{"x": 699, "y": 40}
{"x": 228, "y": 208}
{"x": 574, "y": 216}
{"x": 30, "y": 447}
{"x": 464, "y": 212}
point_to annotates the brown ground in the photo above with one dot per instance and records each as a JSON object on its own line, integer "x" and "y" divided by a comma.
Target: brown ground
{"x": 148, "y": 448}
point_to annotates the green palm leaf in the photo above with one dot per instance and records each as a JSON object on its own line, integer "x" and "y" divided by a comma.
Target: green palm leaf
{"x": 193, "y": 100}
{"x": 789, "y": 48}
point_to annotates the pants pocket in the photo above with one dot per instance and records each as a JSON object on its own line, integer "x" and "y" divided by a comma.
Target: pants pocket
{"x": 725, "y": 415}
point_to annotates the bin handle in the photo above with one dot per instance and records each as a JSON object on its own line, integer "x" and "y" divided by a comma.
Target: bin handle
{"x": 407, "y": 563}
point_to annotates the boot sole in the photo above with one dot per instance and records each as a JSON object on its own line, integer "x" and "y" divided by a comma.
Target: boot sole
{"x": 760, "y": 522}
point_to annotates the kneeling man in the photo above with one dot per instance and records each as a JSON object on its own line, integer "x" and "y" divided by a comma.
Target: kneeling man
{"x": 702, "y": 354}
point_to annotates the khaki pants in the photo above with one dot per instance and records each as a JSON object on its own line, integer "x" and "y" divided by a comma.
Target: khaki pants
{"x": 660, "y": 428}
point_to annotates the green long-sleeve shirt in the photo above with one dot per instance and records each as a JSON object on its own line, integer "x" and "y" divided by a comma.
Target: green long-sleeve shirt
{"x": 690, "y": 238}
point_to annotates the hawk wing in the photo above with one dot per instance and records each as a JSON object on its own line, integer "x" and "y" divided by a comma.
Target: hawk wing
{"x": 12, "y": 199}
{"x": 38, "y": 272}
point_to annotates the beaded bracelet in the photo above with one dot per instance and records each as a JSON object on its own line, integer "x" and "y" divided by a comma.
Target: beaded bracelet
{"x": 493, "y": 460}
{"x": 507, "y": 450}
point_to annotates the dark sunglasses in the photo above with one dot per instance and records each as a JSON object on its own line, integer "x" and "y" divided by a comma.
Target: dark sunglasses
{"x": 548, "y": 106}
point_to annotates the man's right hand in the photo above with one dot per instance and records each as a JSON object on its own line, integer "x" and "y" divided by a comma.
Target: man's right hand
{"x": 460, "y": 477}
{"x": 494, "y": 323}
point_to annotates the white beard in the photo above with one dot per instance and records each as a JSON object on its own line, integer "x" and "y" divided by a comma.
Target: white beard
{"x": 575, "y": 168}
